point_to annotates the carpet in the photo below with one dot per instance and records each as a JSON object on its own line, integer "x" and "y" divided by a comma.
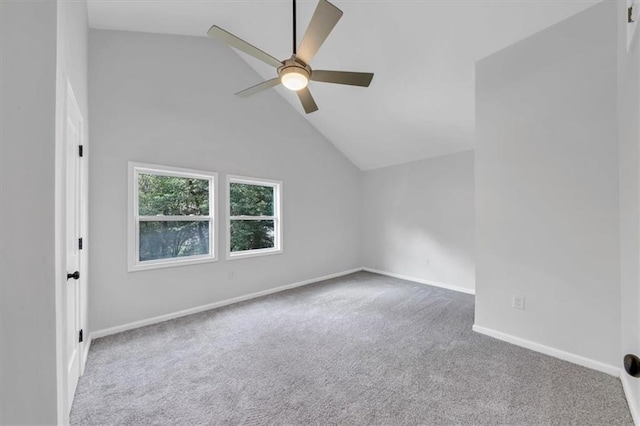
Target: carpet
{"x": 360, "y": 349}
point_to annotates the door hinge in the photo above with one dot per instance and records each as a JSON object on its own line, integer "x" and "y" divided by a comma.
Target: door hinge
{"x": 80, "y": 150}
{"x": 630, "y": 15}
{"x": 80, "y": 336}
{"x": 79, "y": 243}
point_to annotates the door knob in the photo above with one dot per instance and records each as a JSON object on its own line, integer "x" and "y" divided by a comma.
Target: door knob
{"x": 75, "y": 275}
{"x": 632, "y": 365}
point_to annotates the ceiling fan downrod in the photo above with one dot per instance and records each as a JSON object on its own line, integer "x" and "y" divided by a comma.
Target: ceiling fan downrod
{"x": 294, "y": 27}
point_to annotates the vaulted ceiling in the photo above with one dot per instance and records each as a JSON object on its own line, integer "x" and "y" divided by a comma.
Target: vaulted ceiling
{"x": 421, "y": 101}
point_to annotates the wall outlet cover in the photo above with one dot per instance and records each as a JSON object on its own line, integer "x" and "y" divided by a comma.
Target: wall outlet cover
{"x": 518, "y": 302}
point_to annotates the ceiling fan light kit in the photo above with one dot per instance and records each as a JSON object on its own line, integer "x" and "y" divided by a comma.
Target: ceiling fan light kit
{"x": 295, "y": 73}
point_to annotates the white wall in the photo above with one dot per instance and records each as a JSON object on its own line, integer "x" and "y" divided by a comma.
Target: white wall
{"x": 629, "y": 155}
{"x": 418, "y": 211}
{"x": 170, "y": 100}
{"x": 547, "y": 188}
{"x": 27, "y": 135}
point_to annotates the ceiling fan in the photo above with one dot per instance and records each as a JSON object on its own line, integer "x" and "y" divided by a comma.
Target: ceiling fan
{"x": 294, "y": 73}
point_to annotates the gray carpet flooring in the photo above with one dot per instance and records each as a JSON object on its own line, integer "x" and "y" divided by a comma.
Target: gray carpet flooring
{"x": 361, "y": 349}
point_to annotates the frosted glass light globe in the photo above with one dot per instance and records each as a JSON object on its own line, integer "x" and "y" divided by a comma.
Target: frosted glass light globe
{"x": 294, "y": 79}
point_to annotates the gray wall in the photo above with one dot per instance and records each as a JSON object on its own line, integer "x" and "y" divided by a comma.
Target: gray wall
{"x": 170, "y": 100}
{"x": 418, "y": 211}
{"x": 28, "y": 383}
{"x": 629, "y": 154}
{"x": 547, "y": 187}
{"x": 39, "y": 41}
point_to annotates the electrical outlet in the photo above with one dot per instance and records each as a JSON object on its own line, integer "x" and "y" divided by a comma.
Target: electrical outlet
{"x": 427, "y": 261}
{"x": 232, "y": 274}
{"x": 518, "y": 302}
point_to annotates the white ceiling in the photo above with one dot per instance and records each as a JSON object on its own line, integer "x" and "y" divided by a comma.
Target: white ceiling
{"x": 421, "y": 101}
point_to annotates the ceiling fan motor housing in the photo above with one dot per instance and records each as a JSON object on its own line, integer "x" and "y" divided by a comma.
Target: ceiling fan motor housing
{"x": 296, "y": 66}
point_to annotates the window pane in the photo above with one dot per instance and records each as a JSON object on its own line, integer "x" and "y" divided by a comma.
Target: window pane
{"x": 251, "y": 200}
{"x": 252, "y": 235}
{"x": 163, "y": 240}
{"x": 172, "y": 196}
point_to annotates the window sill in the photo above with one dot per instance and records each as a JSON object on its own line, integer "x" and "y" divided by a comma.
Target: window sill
{"x": 252, "y": 253}
{"x": 170, "y": 264}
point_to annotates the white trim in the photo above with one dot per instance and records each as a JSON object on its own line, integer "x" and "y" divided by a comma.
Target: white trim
{"x": 84, "y": 234}
{"x": 133, "y": 219}
{"x": 163, "y": 218}
{"x": 137, "y": 324}
{"x": 85, "y": 353}
{"x": 548, "y": 350}
{"x": 244, "y": 217}
{"x": 254, "y": 180}
{"x": 60, "y": 242}
{"x": 634, "y": 406}
{"x": 252, "y": 253}
{"x": 277, "y": 217}
{"x": 421, "y": 281}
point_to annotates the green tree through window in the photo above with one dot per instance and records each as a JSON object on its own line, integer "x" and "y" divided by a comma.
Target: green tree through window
{"x": 253, "y": 216}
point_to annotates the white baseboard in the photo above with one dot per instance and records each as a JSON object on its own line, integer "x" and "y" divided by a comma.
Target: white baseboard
{"x": 421, "y": 281}
{"x": 548, "y": 350}
{"x": 137, "y": 324}
{"x": 85, "y": 354}
{"x": 634, "y": 405}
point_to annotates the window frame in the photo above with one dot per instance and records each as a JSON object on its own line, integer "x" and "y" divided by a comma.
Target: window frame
{"x": 134, "y": 264}
{"x": 277, "y": 217}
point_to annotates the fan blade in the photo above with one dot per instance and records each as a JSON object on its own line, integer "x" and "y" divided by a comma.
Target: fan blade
{"x": 259, "y": 87}
{"x": 242, "y": 45}
{"x": 322, "y": 22}
{"x": 308, "y": 103}
{"x": 362, "y": 79}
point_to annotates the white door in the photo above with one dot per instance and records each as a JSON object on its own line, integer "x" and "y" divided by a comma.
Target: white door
{"x": 72, "y": 291}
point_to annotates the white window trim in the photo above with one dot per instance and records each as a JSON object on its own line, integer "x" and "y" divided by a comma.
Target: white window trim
{"x": 133, "y": 229}
{"x": 277, "y": 218}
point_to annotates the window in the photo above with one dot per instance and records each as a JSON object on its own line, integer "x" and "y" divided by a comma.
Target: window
{"x": 171, "y": 219}
{"x": 254, "y": 220}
